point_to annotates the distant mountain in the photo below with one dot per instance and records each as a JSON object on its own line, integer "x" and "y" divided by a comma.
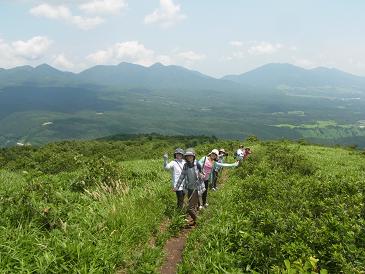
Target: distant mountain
{"x": 40, "y": 104}
{"x": 155, "y": 76}
{"x": 124, "y": 75}
{"x": 159, "y": 76}
{"x": 42, "y": 75}
{"x": 273, "y": 75}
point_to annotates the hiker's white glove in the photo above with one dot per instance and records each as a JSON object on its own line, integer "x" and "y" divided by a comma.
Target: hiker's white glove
{"x": 165, "y": 156}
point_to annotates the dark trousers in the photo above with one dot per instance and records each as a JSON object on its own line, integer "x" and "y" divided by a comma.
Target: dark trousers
{"x": 193, "y": 203}
{"x": 205, "y": 193}
{"x": 180, "y": 198}
{"x": 215, "y": 179}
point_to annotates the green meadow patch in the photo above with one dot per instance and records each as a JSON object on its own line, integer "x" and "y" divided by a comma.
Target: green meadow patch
{"x": 107, "y": 207}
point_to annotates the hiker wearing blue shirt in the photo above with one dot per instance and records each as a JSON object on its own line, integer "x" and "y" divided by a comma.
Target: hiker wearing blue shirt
{"x": 176, "y": 167}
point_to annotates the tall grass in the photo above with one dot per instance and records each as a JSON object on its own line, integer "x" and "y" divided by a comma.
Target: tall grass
{"x": 48, "y": 227}
{"x": 285, "y": 212}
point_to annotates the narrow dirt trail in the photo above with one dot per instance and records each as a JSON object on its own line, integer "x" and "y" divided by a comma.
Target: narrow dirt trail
{"x": 174, "y": 248}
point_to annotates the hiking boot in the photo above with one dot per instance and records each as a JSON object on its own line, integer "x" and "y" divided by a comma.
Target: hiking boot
{"x": 192, "y": 223}
{"x": 200, "y": 207}
{"x": 206, "y": 205}
{"x": 214, "y": 189}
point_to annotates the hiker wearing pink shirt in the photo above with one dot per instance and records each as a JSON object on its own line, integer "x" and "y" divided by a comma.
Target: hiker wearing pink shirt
{"x": 209, "y": 164}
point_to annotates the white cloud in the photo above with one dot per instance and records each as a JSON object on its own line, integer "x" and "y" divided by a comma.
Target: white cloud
{"x": 63, "y": 13}
{"x": 130, "y": 51}
{"x": 86, "y": 23}
{"x": 7, "y": 56}
{"x": 305, "y": 63}
{"x": 23, "y": 52}
{"x": 167, "y": 14}
{"x": 236, "y": 43}
{"x": 136, "y": 52}
{"x": 264, "y": 48}
{"x": 101, "y": 56}
{"x": 191, "y": 56}
{"x": 104, "y": 6}
{"x": 32, "y": 49}
{"x": 61, "y": 61}
{"x": 51, "y": 12}
{"x": 164, "y": 59}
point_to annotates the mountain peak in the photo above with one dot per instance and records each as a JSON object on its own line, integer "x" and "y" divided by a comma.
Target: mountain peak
{"x": 157, "y": 65}
{"x": 46, "y": 68}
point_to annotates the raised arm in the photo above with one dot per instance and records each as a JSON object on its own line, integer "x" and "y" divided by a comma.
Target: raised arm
{"x": 167, "y": 166}
{"x": 226, "y": 165}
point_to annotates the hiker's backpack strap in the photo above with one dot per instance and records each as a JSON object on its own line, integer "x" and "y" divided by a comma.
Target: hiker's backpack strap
{"x": 199, "y": 166}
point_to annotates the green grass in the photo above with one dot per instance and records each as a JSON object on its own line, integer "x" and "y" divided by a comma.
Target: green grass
{"x": 47, "y": 228}
{"x": 288, "y": 206}
{"x": 98, "y": 206}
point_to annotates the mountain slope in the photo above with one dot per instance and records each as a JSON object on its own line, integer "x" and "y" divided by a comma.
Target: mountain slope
{"x": 273, "y": 75}
{"x": 156, "y": 76}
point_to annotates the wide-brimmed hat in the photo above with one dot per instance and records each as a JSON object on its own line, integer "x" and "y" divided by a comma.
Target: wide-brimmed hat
{"x": 179, "y": 151}
{"x": 222, "y": 150}
{"x": 215, "y": 151}
{"x": 189, "y": 152}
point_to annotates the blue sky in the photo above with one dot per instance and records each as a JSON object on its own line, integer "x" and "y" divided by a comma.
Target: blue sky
{"x": 215, "y": 37}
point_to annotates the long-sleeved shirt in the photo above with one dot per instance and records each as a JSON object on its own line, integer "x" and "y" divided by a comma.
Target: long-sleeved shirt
{"x": 190, "y": 175}
{"x": 240, "y": 153}
{"x": 176, "y": 168}
{"x": 221, "y": 161}
{"x": 208, "y": 166}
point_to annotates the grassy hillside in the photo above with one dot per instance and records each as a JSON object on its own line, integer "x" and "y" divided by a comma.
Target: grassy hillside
{"x": 287, "y": 207}
{"x": 106, "y": 206}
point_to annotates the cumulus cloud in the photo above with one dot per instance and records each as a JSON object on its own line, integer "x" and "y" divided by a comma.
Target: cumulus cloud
{"x": 51, "y": 12}
{"x": 61, "y": 61}
{"x": 63, "y": 13}
{"x": 101, "y": 56}
{"x": 191, "y": 56}
{"x": 23, "y": 52}
{"x": 86, "y": 23}
{"x": 236, "y": 43}
{"x": 104, "y": 6}
{"x": 264, "y": 48}
{"x": 32, "y": 49}
{"x": 166, "y": 15}
{"x": 136, "y": 52}
{"x": 130, "y": 51}
{"x": 7, "y": 56}
{"x": 133, "y": 50}
{"x": 305, "y": 63}
{"x": 188, "y": 58}
{"x": 244, "y": 49}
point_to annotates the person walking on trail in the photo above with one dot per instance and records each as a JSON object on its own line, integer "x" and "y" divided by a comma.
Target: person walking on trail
{"x": 176, "y": 167}
{"x": 208, "y": 164}
{"x": 191, "y": 176}
{"x": 240, "y": 153}
{"x": 247, "y": 153}
{"x": 218, "y": 169}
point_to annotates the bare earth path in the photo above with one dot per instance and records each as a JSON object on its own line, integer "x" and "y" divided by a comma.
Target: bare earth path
{"x": 174, "y": 248}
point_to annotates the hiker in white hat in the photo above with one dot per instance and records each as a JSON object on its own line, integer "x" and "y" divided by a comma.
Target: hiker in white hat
{"x": 209, "y": 163}
{"x": 218, "y": 169}
{"x": 176, "y": 167}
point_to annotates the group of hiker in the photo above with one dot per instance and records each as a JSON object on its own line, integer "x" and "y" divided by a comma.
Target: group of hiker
{"x": 193, "y": 177}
